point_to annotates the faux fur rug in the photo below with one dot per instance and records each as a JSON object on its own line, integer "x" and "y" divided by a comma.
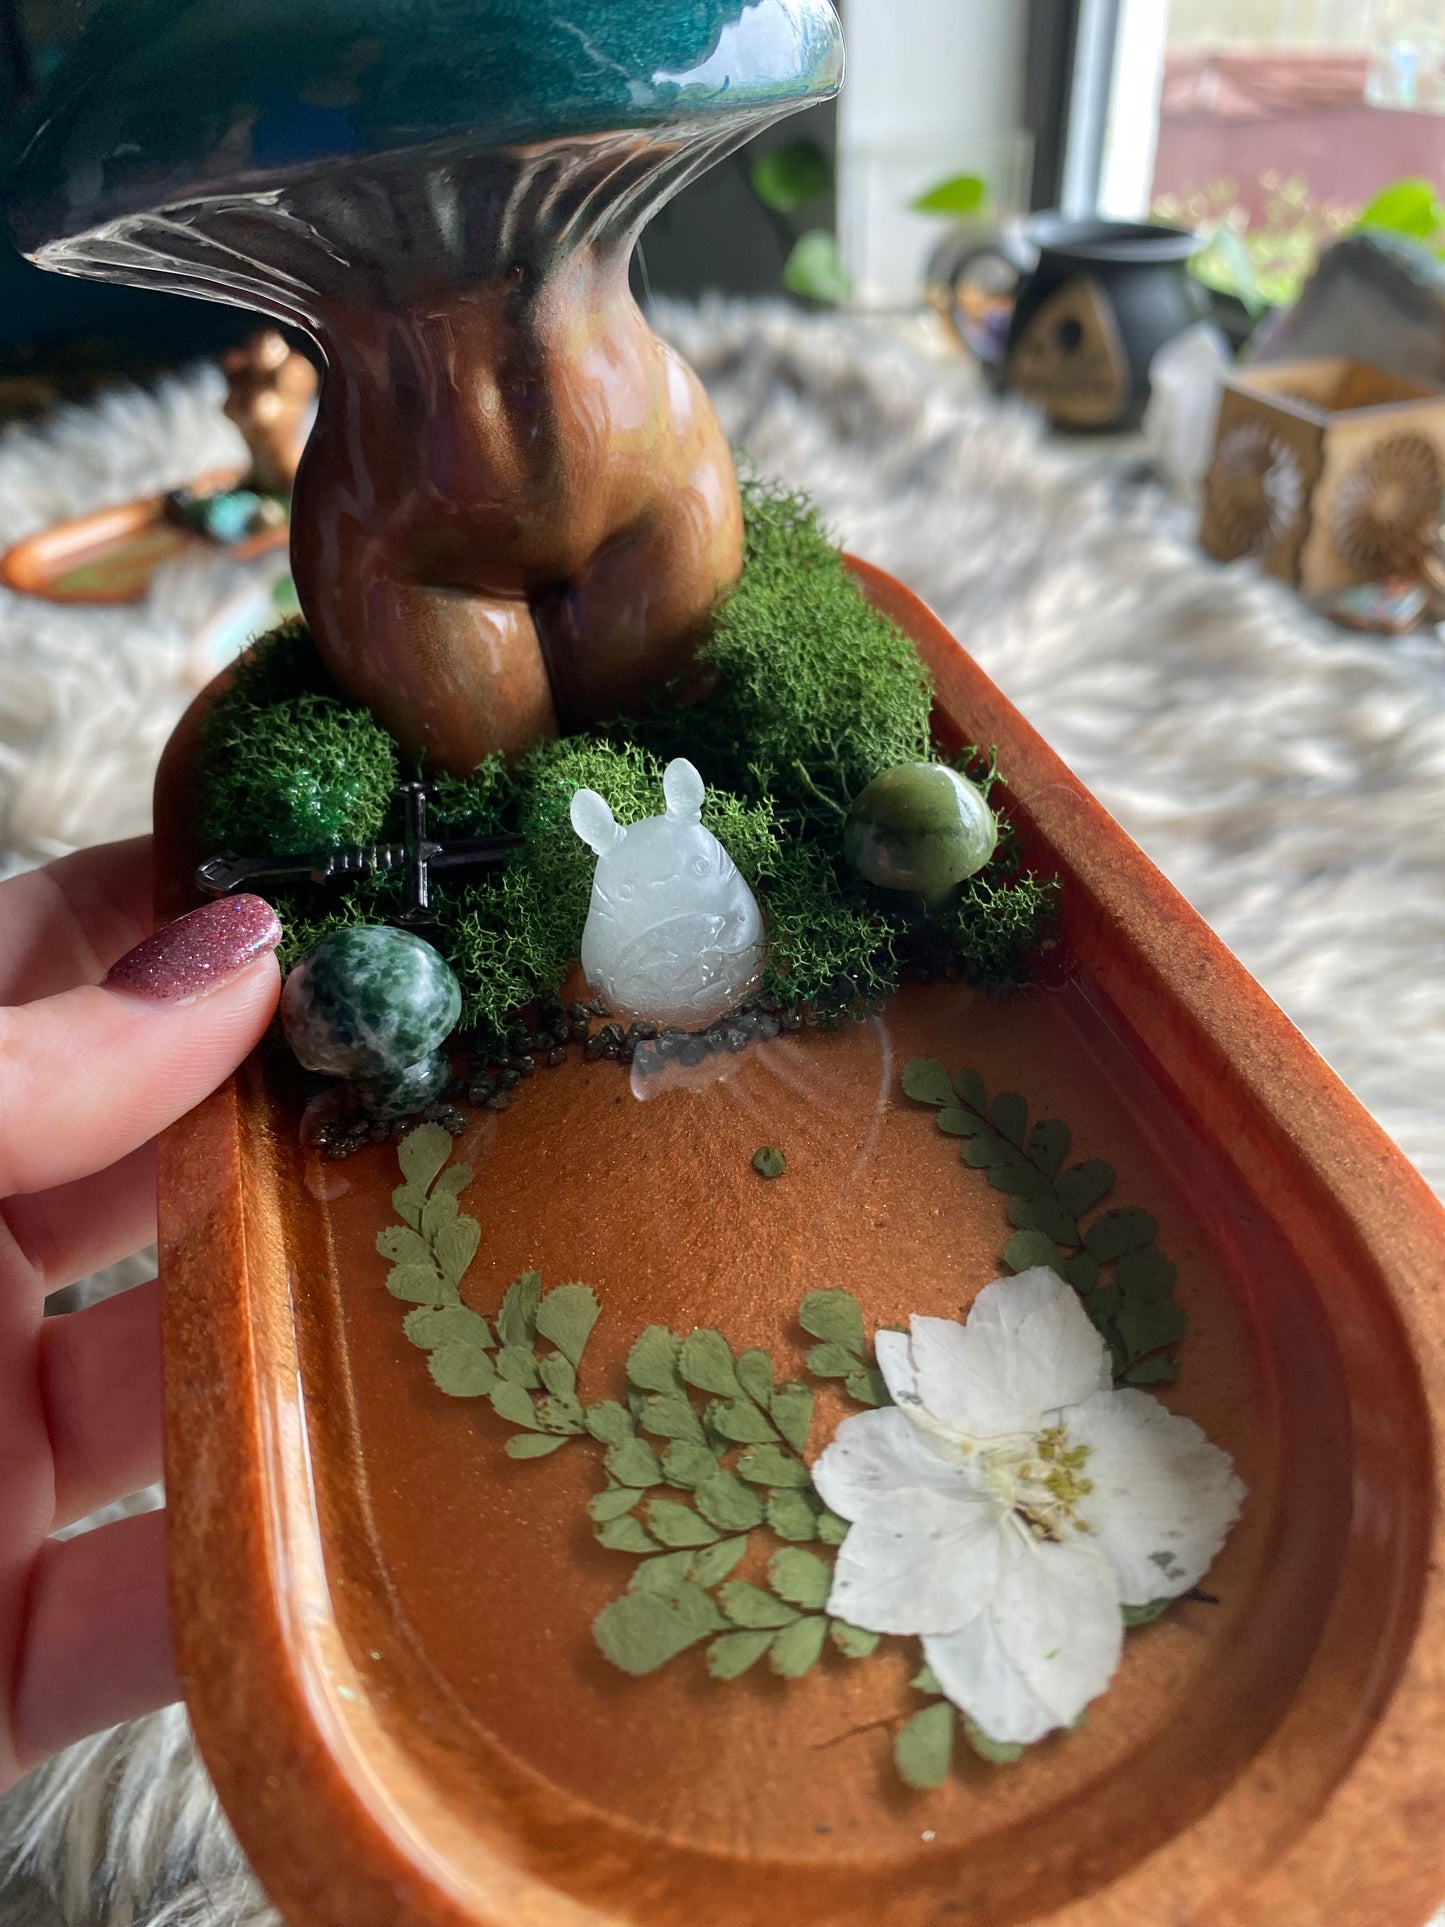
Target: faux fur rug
{"x": 1290, "y": 780}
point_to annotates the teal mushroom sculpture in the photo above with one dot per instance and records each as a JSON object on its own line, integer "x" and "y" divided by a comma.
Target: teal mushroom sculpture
{"x": 516, "y": 511}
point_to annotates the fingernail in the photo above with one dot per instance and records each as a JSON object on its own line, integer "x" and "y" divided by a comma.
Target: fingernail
{"x": 198, "y": 951}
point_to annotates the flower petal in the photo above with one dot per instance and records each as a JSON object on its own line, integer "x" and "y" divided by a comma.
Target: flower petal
{"x": 1164, "y": 1496}
{"x": 874, "y": 1455}
{"x": 1049, "y": 1643}
{"x": 895, "y": 1361}
{"x": 919, "y": 1562}
{"x": 1027, "y": 1349}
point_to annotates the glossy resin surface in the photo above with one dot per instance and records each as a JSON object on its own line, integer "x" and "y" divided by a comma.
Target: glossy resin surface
{"x": 383, "y": 1620}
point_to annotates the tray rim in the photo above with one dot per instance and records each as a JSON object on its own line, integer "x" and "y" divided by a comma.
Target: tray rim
{"x": 270, "y": 1702}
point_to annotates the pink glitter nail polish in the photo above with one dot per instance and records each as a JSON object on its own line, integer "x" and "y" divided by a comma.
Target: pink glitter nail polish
{"x": 198, "y": 951}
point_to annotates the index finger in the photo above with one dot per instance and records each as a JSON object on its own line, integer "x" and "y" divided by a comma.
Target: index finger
{"x": 67, "y": 923}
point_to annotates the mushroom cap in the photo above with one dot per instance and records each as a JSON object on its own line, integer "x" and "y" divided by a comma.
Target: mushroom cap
{"x": 162, "y": 103}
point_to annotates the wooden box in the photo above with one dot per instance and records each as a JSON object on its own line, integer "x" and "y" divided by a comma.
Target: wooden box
{"x": 1331, "y": 472}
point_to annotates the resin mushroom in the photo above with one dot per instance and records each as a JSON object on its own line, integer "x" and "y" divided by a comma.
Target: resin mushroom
{"x": 516, "y": 510}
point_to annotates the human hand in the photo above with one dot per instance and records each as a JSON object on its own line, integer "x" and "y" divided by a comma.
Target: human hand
{"x": 90, "y": 1071}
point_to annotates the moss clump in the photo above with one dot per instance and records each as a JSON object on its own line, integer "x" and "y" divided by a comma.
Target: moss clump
{"x": 815, "y": 695}
{"x": 306, "y": 773}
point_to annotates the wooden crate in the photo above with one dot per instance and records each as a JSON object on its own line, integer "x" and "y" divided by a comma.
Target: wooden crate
{"x": 1331, "y": 472}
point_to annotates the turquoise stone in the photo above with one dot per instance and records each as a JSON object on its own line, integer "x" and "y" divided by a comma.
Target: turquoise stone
{"x": 408, "y": 1090}
{"x": 368, "y": 1002}
{"x": 921, "y": 829}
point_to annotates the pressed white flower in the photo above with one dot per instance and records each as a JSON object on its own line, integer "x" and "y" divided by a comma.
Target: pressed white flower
{"x": 1011, "y": 1501}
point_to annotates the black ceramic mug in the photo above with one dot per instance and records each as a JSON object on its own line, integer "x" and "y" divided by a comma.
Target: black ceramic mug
{"x": 1070, "y": 312}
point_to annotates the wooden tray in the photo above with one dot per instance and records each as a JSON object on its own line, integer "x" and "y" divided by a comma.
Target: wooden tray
{"x": 383, "y": 1621}
{"x": 110, "y": 555}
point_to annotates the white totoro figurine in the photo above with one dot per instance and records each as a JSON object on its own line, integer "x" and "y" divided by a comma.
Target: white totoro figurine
{"x": 674, "y": 935}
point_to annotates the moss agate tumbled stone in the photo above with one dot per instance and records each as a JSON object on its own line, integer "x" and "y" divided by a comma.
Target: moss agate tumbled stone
{"x": 368, "y": 1002}
{"x": 920, "y": 828}
{"x": 407, "y": 1091}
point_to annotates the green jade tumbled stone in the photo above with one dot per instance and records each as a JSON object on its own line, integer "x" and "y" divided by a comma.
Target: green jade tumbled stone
{"x": 369, "y": 1002}
{"x": 407, "y": 1091}
{"x": 919, "y": 829}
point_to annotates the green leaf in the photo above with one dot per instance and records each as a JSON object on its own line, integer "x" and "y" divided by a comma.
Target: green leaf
{"x": 996, "y": 1752}
{"x": 561, "y": 1413}
{"x": 831, "y": 1529}
{"x": 1081, "y": 1271}
{"x": 1014, "y": 1173}
{"x": 771, "y": 1465}
{"x": 517, "y": 1320}
{"x": 985, "y": 1150}
{"x": 455, "y": 1179}
{"x": 558, "y": 1375}
{"x": 517, "y": 1365}
{"x": 1119, "y": 1231}
{"x": 971, "y": 1090}
{"x": 420, "y": 1285}
{"x": 512, "y": 1403}
{"x": 565, "y": 1318}
{"x": 1405, "y": 207}
{"x": 1009, "y": 1116}
{"x": 815, "y": 270}
{"x": 868, "y": 1387}
{"x": 608, "y": 1422}
{"x": 462, "y": 1370}
{"x": 791, "y": 175}
{"x": 754, "y": 1371}
{"x": 925, "y": 1680}
{"x": 674, "y": 1524}
{"x": 1146, "y": 1273}
{"x": 625, "y": 1535}
{"x": 960, "y": 194}
{"x": 669, "y": 1416}
{"x": 923, "y": 1751}
{"x": 852, "y": 1641}
{"x": 438, "y": 1215}
{"x": 687, "y": 1464}
{"x": 652, "y": 1362}
{"x": 728, "y": 1503}
{"x": 1044, "y": 1214}
{"x": 531, "y": 1445}
{"x": 1048, "y": 1145}
{"x": 663, "y": 1574}
{"x": 740, "y": 1421}
{"x": 422, "y": 1153}
{"x": 430, "y": 1326}
{"x": 926, "y": 1081}
{"x": 611, "y": 1504}
{"x": 643, "y": 1630}
{"x": 731, "y": 1654}
{"x": 748, "y": 1605}
{"x": 835, "y": 1317}
{"x": 706, "y": 1361}
{"x": 1025, "y": 1249}
{"x": 832, "y": 1361}
{"x": 633, "y": 1462}
{"x": 959, "y": 1123}
{"x": 402, "y": 1246}
{"x": 792, "y": 1410}
{"x": 797, "y": 1648}
{"x": 714, "y": 1563}
{"x": 408, "y": 1202}
{"x": 1147, "y": 1325}
{"x": 1159, "y": 1370}
{"x": 769, "y": 1161}
{"x": 1146, "y": 1615}
{"x": 1082, "y": 1185}
{"x": 802, "y": 1578}
{"x": 791, "y": 1516}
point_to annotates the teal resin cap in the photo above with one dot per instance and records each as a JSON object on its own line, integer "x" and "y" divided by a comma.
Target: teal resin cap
{"x": 169, "y": 103}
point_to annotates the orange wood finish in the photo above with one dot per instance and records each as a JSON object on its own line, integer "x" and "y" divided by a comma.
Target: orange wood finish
{"x": 110, "y": 555}
{"x": 382, "y": 1621}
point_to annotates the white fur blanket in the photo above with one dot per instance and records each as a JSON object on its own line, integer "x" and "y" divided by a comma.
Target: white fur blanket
{"x": 1288, "y": 778}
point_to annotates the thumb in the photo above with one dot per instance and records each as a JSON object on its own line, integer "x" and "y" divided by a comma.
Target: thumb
{"x": 88, "y": 1076}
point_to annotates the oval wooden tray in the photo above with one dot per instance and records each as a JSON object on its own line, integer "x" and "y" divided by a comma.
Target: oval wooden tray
{"x": 382, "y": 1621}
{"x": 110, "y": 555}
